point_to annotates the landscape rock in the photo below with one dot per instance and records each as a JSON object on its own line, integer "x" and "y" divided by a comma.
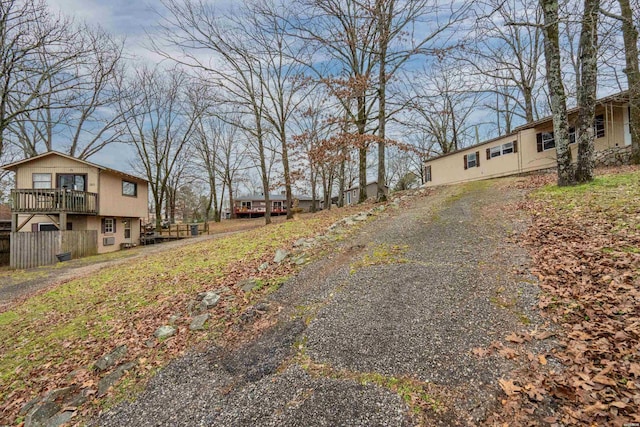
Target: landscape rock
{"x": 209, "y": 300}
{"x": 197, "y": 324}
{"x": 60, "y": 418}
{"x": 299, "y": 260}
{"x": 263, "y": 266}
{"x": 299, "y": 242}
{"x": 280, "y": 256}
{"x": 174, "y": 318}
{"x": 110, "y": 379}
{"x": 40, "y": 413}
{"x": 248, "y": 285}
{"x": 164, "y": 332}
{"x": 111, "y": 359}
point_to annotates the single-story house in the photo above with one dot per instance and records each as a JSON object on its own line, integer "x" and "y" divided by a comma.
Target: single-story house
{"x": 351, "y": 194}
{"x": 254, "y": 206}
{"x": 531, "y": 147}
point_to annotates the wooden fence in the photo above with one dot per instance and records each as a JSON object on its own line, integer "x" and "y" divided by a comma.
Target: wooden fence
{"x": 4, "y": 249}
{"x": 181, "y": 231}
{"x": 30, "y": 250}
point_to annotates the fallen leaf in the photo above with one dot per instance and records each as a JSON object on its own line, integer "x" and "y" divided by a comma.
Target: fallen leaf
{"x": 509, "y": 387}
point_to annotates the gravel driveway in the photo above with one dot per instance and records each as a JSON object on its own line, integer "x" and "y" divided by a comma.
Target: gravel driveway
{"x": 411, "y": 295}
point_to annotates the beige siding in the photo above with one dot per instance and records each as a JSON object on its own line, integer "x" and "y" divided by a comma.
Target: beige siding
{"x": 56, "y": 165}
{"x": 449, "y": 169}
{"x": 95, "y": 223}
{"x": 78, "y": 222}
{"x": 113, "y": 203}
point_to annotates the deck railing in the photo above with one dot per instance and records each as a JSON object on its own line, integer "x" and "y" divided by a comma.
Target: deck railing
{"x": 54, "y": 201}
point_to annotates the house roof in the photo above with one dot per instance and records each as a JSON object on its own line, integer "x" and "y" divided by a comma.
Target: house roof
{"x": 272, "y": 197}
{"x": 13, "y": 166}
{"x": 617, "y": 97}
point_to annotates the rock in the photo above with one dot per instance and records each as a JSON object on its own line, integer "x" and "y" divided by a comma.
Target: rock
{"x": 299, "y": 260}
{"x": 197, "y": 323}
{"x": 111, "y": 359}
{"x": 299, "y": 242}
{"x": 263, "y": 266}
{"x": 60, "y": 418}
{"x": 209, "y": 300}
{"x": 349, "y": 222}
{"x": 30, "y": 404}
{"x": 247, "y": 285}
{"x": 361, "y": 217}
{"x": 110, "y": 379}
{"x": 40, "y": 413}
{"x": 164, "y": 332}
{"x": 280, "y": 256}
{"x": 194, "y": 308}
{"x": 174, "y": 318}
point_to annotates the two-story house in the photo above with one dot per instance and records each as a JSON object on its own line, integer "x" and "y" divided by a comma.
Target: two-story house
{"x": 55, "y": 191}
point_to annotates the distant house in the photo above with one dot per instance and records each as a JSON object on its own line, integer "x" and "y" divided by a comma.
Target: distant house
{"x": 532, "y": 147}
{"x": 55, "y": 191}
{"x": 254, "y": 205}
{"x": 351, "y": 195}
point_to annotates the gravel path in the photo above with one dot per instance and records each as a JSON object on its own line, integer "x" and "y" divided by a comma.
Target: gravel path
{"x": 411, "y": 295}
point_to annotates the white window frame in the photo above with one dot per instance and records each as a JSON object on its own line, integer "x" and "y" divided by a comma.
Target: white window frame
{"x": 494, "y": 152}
{"x": 472, "y": 163}
{"x": 245, "y": 204}
{"x": 109, "y": 225}
{"x": 277, "y": 204}
{"x": 548, "y": 140}
{"x": 599, "y": 130}
{"x": 126, "y": 223}
{"x": 40, "y": 175}
{"x": 507, "y": 148}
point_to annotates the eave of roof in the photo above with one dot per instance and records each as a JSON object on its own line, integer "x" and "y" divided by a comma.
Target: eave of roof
{"x": 13, "y": 166}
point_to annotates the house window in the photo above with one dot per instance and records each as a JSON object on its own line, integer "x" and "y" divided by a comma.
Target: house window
{"x": 508, "y": 148}
{"x": 348, "y": 197}
{"x": 472, "y": 160}
{"x": 41, "y": 180}
{"x": 427, "y": 173}
{"x": 129, "y": 188}
{"x": 127, "y": 228}
{"x": 495, "y": 152}
{"x": 277, "y": 206}
{"x": 109, "y": 225}
{"x": 599, "y": 125}
{"x": 245, "y": 205}
{"x": 545, "y": 141}
{"x": 572, "y": 135}
{"x": 72, "y": 182}
{"x": 47, "y": 226}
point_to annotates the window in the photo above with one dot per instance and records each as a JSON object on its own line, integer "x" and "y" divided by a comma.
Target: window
{"x": 472, "y": 160}
{"x": 598, "y": 125}
{"x": 508, "y": 148}
{"x": 545, "y": 141}
{"x": 495, "y": 152}
{"x": 47, "y": 226}
{"x": 108, "y": 225}
{"x": 127, "y": 228}
{"x": 348, "y": 197}
{"x": 245, "y": 205}
{"x": 427, "y": 173}
{"x": 277, "y": 206}
{"x": 41, "y": 180}
{"x": 572, "y": 135}
{"x": 72, "y": 182}
{"x": 129, "y": 188}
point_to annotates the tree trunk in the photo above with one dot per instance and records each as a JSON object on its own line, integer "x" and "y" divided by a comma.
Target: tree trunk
{"x": 566, "y": 174}
{"x": 630, "y": 38}
{"x": 587, "y": 90}
{"x": 383, "y": 34}
{"x": 287, "y": 175}
{"x": 362, "y": 150}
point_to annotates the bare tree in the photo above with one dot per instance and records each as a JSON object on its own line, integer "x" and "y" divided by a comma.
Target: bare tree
{"x": 587, "y": 90}
{"x": 194, "y": 27}
{"x": 27, "y": 32}
{"x": 159, "y": 122}
{"x": 506, "y": 57}
{"x": 83, "y": 111}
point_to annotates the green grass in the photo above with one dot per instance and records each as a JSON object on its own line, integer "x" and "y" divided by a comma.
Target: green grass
{"x": 70, "y": 326}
